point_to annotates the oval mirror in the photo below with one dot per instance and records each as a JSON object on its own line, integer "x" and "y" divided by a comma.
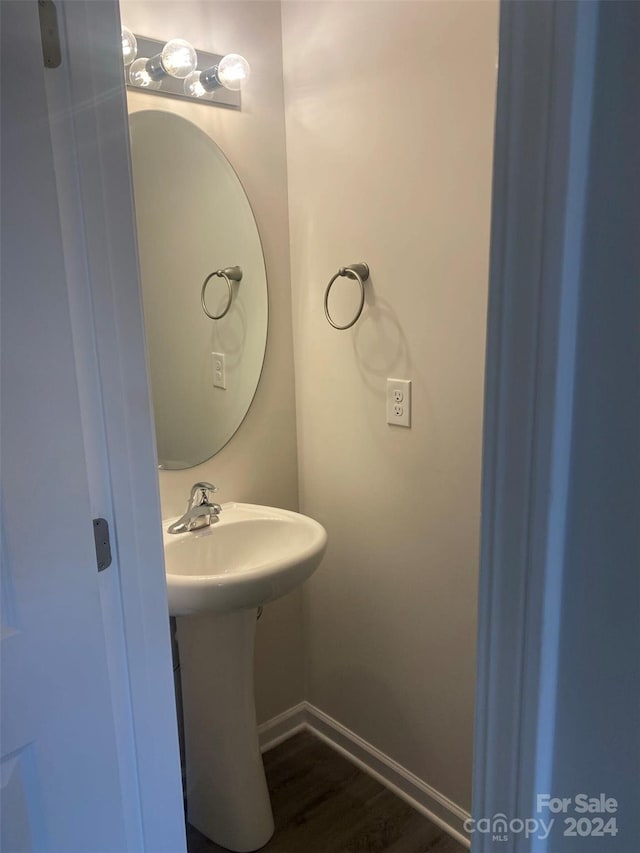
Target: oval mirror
{"x": 194, "y": 219}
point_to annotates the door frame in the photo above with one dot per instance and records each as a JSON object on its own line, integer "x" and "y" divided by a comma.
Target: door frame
{"x": 545, "y": 79}
{"x": 88, "y": 113}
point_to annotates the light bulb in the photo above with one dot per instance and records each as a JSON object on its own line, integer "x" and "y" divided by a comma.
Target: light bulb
{"x": 233, "y": 71}
{"x": 139, "y": 76}
{"x": 129, "y": 46}
{"x": 193, "y": 85}
{"x": 178, "y": 58}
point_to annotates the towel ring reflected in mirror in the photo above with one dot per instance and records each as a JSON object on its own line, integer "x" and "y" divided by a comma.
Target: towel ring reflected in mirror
{"x": 229, "y": 274}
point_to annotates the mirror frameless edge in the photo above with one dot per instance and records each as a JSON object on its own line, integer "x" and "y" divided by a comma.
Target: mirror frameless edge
{"x": 193, "y": 218}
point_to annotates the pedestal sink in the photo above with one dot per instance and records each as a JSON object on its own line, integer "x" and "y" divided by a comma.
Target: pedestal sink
{"x": 216, "y": 579}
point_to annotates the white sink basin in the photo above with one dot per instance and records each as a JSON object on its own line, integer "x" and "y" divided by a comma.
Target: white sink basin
{"x": 252, "y": 555}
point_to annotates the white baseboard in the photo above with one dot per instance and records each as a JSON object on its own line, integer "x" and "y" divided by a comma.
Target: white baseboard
{"x": 422, "y": 797}
{"x": 283, "y": 726}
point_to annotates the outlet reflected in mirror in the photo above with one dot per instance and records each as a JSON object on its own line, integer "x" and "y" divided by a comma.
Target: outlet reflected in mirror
{"x": 193, "y": 219}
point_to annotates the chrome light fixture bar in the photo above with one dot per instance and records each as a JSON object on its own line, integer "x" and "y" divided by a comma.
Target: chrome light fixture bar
{"x": 174, "y": 87}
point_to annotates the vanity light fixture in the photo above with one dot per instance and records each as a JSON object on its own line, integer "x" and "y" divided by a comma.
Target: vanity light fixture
{"x": 129, "y": 46}
{"x": 232, "y": 72}
{"x": 176, "y": 59}
{"x": 176, "y": 69}
{"x": 140, "y": 77}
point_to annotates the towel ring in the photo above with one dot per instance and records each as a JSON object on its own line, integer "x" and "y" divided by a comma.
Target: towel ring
{"x": 361, "y": 273}
{"x": 227, "y": 274}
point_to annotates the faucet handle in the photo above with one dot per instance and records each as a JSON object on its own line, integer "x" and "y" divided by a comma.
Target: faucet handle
{"x": 203, "y": 488}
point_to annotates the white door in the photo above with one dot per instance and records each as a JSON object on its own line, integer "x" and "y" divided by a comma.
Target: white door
{"x": 61, "y": 785}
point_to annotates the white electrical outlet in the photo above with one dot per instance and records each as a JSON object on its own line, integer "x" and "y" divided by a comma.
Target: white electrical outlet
{"x": 399, "y": 402}
{"x": 219, "y": 370}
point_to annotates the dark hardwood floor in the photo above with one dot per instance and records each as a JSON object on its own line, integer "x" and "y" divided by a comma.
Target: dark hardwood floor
{"x": 323, "y": 804}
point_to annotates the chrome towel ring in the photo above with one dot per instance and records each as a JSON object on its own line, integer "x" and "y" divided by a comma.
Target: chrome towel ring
{"x": 228, "y": 274}
{"x": 359, "y": 272}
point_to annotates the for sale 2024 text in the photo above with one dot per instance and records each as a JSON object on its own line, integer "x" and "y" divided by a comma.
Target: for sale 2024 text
{"x": 585, "y": 815}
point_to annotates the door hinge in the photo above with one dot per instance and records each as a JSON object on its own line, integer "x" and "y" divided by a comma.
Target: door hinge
{"x": 103, "y": 545}
{"x": 49, "y": 33}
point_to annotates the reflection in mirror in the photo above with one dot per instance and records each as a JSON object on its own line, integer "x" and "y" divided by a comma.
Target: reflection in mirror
{"x": 194, "y": 219}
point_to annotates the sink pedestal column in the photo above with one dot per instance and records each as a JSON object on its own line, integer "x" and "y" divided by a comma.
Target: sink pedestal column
{"x": 227, "y": 796}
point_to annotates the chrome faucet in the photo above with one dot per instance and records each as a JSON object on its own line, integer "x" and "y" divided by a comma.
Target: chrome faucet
{"x": 201, "y": 512}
